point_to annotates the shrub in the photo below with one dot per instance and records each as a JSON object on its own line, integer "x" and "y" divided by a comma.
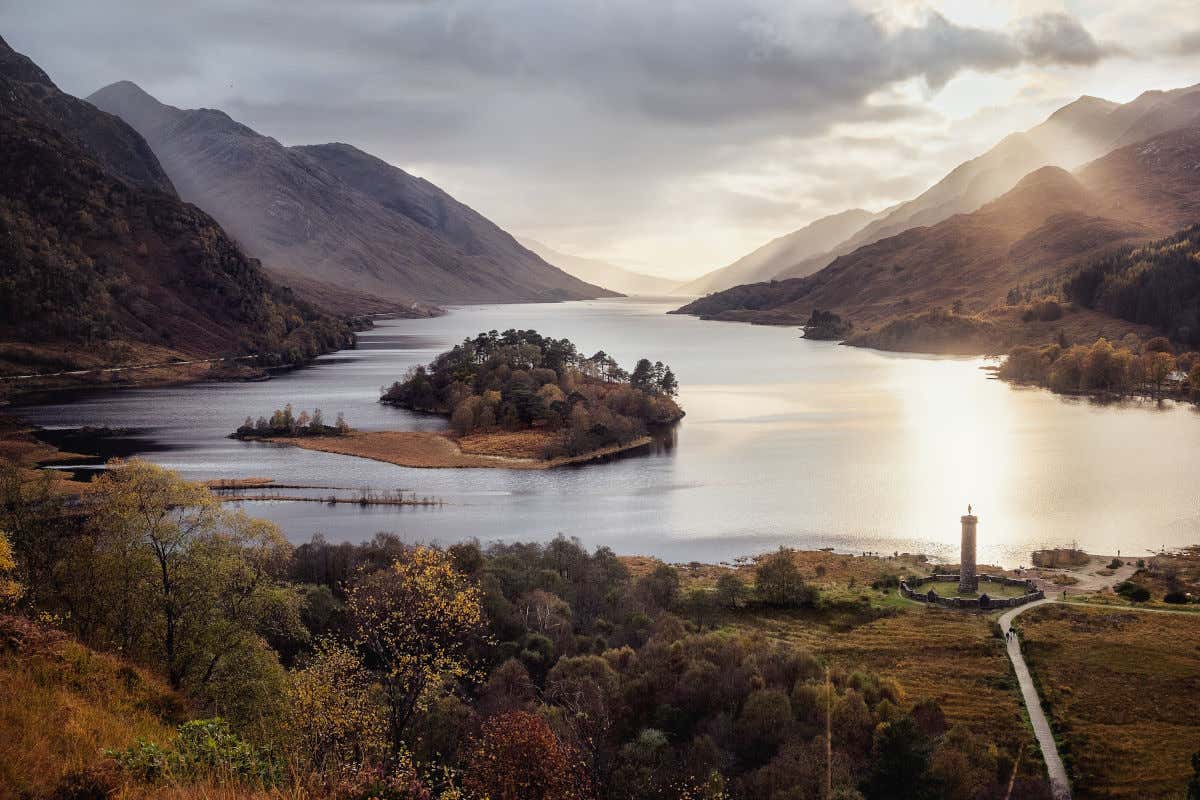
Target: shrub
{"x": 1116, "y": 563}
{"x": 204, "y": 749}
{"x": 1133, "y": 591}
{"x": 1177, "y": 597}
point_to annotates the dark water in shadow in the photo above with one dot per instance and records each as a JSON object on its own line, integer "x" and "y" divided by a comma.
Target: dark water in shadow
{"x": 785, "y": 442}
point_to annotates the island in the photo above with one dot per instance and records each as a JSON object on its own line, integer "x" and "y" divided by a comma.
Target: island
{"x": 515, "y": 400}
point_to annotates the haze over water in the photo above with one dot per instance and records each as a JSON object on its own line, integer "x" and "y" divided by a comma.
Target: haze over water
{"x": 786, "y": 441}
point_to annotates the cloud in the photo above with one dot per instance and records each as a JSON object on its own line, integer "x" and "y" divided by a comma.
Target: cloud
{"x": 1187, "y": 45}
{"x": 1057, "y": 38}
{"x": 543, "y": 113}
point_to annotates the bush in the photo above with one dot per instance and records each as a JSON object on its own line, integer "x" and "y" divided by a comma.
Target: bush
{"x": 203, "y": 749}
{"x": 1116, "y": 563}
{"x": 1176, "y": 597}
{"x": 1133, "y": 591}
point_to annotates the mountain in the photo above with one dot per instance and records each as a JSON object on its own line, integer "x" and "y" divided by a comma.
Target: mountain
{"x": 1079, "y": 132}
{"x": 602, "y": 273}
{"x": 782, "y": 253}
{"x": 335, "y": 214}
{"x": 101, "y": 262}
{"x": 1032, "y": 235}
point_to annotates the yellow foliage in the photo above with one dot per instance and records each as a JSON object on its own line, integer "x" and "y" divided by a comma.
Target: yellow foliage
{"x": 10, "y": 589}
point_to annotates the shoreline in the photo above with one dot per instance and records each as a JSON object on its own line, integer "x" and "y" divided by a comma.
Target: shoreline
{"x": 432, "y": 450}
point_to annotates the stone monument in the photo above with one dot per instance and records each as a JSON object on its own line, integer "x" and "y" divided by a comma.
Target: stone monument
{"x": 968, "y": 581}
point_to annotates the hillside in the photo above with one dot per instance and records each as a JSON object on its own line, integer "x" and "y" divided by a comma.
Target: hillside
{"x": 64, "y": 704}
{"x": 335, "y": 214}
{"x": 1032, "y": 235}
{"x": 782, "y": 253}
{"x": 602, "y": 273}
{"x": 100, "y": 267}
{"x": 1156, "y": 284}
{"x": 1080, "y": 131}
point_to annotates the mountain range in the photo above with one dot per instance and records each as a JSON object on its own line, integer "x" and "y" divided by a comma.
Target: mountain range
{"x": 101, "y": 262}
{"x": 922, "y": 257}
{"x": 1073, "y": 135}
{"x": 334, "y": 214}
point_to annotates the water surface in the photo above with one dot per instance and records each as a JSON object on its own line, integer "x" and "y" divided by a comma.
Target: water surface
{"x": 786, "y": 441}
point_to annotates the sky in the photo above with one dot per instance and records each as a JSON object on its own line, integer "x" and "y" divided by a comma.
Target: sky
{"x": 670, "y": 137}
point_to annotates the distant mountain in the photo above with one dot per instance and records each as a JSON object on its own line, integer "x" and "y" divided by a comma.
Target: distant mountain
{"x": 335, "y": 214}
{"x": 1035, "y": 233}
{"x": 783, "y": 253}
{"x": 101, "y": 262}
{"x": 602, "y": 273}
{"x": 1074, "y": 134}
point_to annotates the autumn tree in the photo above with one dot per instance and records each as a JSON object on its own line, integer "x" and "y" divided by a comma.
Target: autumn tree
{"x": 188, "y": 586}
{"x": 415, "y": 621}
{"x": 145, "y": 506}
{"x": 332, "y": 719}
{"x": 517, "y": 757}
{"x": 10, "y": 589}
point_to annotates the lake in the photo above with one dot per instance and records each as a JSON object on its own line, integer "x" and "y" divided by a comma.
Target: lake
{"x": 786, "y": 442}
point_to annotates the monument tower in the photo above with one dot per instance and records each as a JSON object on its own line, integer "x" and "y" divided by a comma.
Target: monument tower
{"x": 968, "y": 581}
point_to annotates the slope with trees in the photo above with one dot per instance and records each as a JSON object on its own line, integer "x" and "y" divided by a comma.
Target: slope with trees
{"x": 99, "y": 264}
{"x": 384, "y": 669}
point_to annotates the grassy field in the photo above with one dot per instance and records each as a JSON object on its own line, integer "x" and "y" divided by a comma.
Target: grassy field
{"x": 1122, "y": 690}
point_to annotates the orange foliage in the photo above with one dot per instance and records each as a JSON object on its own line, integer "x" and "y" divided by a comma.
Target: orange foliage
{"x": 518, "y": 757}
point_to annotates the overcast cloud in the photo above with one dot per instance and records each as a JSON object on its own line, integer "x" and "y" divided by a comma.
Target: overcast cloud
{"x": 671, "y": 136}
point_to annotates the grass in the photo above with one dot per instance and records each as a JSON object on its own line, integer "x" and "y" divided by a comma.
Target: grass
{"x": 950, "y": 656}
{"x": 1121, "y": 690}
{"x": 950, "y": 589}
{"x": 64, "y": 704}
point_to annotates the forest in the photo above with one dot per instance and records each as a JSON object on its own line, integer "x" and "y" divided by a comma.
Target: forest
{"x": 521, "y": 380}
{"x": 1157, "y": 284}
{"x": 400, "y": 671}
{"x": 1102, "y": 368}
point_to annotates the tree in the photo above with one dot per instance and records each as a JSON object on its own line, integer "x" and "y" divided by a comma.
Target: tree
{"x": 183, "y": 584}
{"x": 661, "y": 586}
{"x": 731, "y": 590}
{"x": 415, "y": 620}
{"x": 777, "y": 581}
{"x": 10, "y": 589}
{"x": 142, "y": 505}
{"x": 517, "y": 757}
{"x": 642, "y": 376}
{"x": 765, "y": 722}
{"x": 332, "y": 720}
{"x": 1162, "y": 364}
{"x": 669, "y": 385}
{"x": 900, "y": 761}
{"x": 1193, "y": 787}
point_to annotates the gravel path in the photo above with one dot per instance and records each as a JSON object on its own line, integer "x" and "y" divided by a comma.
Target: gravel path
{"x": 1059, "y": 783}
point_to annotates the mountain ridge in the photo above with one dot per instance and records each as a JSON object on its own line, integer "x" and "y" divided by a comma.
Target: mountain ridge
{"x": 316, "y": 211}
{"x": 1050, "y": 220}
{"x": 101, "y": 262}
